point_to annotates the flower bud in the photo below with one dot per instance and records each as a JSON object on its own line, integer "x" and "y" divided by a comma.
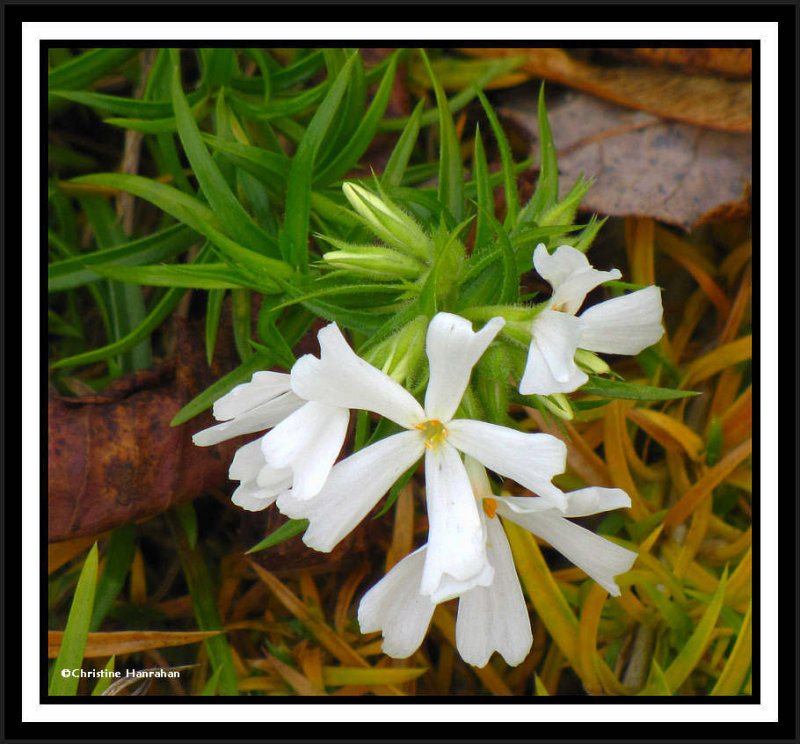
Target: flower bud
{"x": 558, "y": 404}
{"x": 591, "y": 362}
{"x": 375, "y": 262}
{"x": 399, "y": 354}
{"x": 393, "y": 226}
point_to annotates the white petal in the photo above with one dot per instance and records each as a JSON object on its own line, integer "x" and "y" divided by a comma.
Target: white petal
{"x": 495, "y": 617}
{"x": 341, "y": 378}
{"x": 456, "y": 540}
{"x": 525, "y": 505}
{"x": 264, "y": 416}
{"x": 623, "y": 325}
{"x": 396, "y": 607}
{"x": 453, "y": 349}
{"x": 274, "y": 480}
{"x": 249, "y": 496}
{"x": 556, "y": 267}
{"x": 308, "y": 442}
{"x": 599, "y": 558}
{"x": 478, "y": 478}
{"x": 530, "y": 459}
{"x": 263, "y": 386}
{"x": 247, "y": 461}
{"x": 570, "y": 274}
{"x": 353, "y": 487}
{"x": 594, "y": 500}
{"x": 550, "y": 366}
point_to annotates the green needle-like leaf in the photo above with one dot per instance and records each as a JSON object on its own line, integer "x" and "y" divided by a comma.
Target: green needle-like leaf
{"x": 215, "y": 188}
{"x": 294, "y": 237}
{"x": 451, "y": 175}
{"x": 73, "y": 644}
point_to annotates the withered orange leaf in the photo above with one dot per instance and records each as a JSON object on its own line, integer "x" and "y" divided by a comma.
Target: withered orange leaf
{"x": 128, "y": 641}
{"x": 704, "y": 100}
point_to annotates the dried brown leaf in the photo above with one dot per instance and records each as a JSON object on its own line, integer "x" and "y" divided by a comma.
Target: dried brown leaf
{"x": 733, "y": 61}
{"x": 704, "y": 100}
{"x": 642, "y": 165}
{"x": 113, "y": 458}
{"x": 128, "y": 641}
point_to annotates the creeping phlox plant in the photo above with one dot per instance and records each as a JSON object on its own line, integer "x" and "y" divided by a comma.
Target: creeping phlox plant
{"x": 543, "y": 349}
{"x": 438, "y": 328}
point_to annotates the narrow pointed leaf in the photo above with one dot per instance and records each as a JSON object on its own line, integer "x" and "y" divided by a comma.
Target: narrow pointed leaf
{"x": 215, "y": 188}
{"x": 73, "y": 641}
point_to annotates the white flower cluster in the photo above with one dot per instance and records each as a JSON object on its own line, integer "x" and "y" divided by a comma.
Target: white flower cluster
{"x": 467, "y": 554}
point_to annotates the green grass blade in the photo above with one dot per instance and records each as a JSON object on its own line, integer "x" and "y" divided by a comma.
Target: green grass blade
{"x": 119, "y": 556}
{"x": 398, "y": 161}
{"x": 348, "y": 156}
{"x": 631, "y": 391}
{"x": 348, "y": 115}
{"x": 738, "y": 664}
{"x": 73, "y": 644}
{"x": 546, "y": 193}
{"x": 451, "y": 175}
{"x": 204, "y": 604}
{"x": 190, "y": 276}
{"x": 84, "y": 69}
{"x": 126, "y": 304}
{"x": 294, "y": 237}
{"x": 199, "y": 217}
{"x": 213, "y": 315}
{"x": 485, "y": 199}
{"x": 155, "y": 318}
{"x": 265, "y": 165}
{"x": 226, "y": 206}
{"x": 212, "y": 685}
{"x": 509, "y": 176}
{"x": 183, "y": 207}
{"x": 125, "y": 107}
{"x": 692, "y": 652}
{"x": 458, "y": 101}
{"x": 104, "y": 682}
{"x": 241, "y": 317}
{"x": 298, "y": 72}
{"x": 161, "y": 246}
{"x": 285, "y": 532}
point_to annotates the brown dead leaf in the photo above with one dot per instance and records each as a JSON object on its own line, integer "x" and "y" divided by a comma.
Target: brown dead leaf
{"x": 733, "y": 61}
{"x": 128, "y": 641}
{"x": 644, "y": 166}
{"x": 113, "y": 457}
{"x": 704, "y": 100}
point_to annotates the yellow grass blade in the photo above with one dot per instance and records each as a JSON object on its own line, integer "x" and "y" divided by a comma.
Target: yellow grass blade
{"x": 735, "y": 670}
{"x": 339, "y": 676}
{"x": 587, "y": 638}
{"x": 615, "y": 457}
{"x": 689, "y": 656}
{"x": 704, "y": 487}
{"x": 715, "y": 361}
{"x": 668, "y": 431}
{"x": 324, "y": 634}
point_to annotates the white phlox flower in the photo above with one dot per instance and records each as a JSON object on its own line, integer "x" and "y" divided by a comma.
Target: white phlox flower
{"x": 622, "y": 325}
{"x": 276, "y": 462}
{"x": 494, "y": 617}
{"x": 456, "y": 543}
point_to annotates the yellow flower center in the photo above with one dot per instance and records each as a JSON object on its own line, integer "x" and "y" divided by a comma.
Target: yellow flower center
{"x": 490, "y": 507}
{"x": 434, "y": 432}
